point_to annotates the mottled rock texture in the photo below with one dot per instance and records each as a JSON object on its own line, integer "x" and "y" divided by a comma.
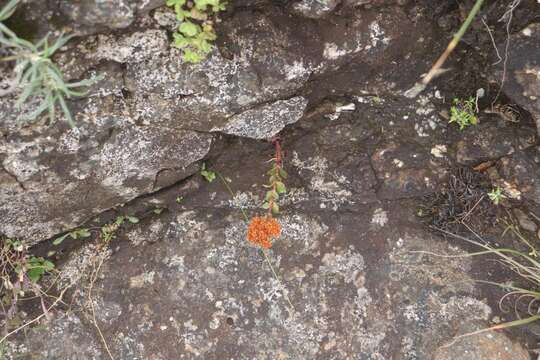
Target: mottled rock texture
{"x": 82, "y": 17}
{"x": 191, "y": 287}
{"x": 351, "y": 258}
{"x": 315, "y": 8}
{"x": 153, "y": 116}
{"x": 361, "y": 268}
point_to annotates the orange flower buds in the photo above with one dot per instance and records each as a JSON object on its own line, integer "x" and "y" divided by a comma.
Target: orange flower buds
{"x": 262, "y": 229}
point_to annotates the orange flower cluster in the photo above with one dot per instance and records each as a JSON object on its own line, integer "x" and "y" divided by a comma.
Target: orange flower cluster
{"x": 262, "y": 229}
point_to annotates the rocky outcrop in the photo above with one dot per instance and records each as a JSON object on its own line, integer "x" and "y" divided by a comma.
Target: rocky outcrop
{"x": 151, "y": 117}
{"x": 363, "y": 274}
{"x": 192, "y": 286}
{"x": 61, "y": 181}
{"x": 35, "y": 18}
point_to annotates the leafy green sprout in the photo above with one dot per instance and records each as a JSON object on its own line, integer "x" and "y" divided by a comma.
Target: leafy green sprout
{"x": 462, "y": 112}
{"x": 75, "y": 234}
{"x": 207, "y": 174}
{"x": 377, "y": 100}
{"x": 194, "y": 38}
{"x": 108, "y": 231}
{"x": 14, "y": 257}
{"x": 36, "y": 267}
{"x": 496, "y": 195}
{"x": 276, "y": 188}
{"x": 36, "y": 74}
{"x": 20, "y": 273}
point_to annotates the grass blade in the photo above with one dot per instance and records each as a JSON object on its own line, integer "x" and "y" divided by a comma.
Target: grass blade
{"x": 61, "y": 41}
{"x": 8, "y": 9}
{"x": 39, "y": 110}
{"x": 505, "y": 325}
{"x": 66, "y": 111}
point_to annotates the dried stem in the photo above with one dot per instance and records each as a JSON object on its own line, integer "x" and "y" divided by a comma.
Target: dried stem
{"x": 508, "y": 15}
{"x": 36, "y": 318}
{"x": 279, "y": 281}
{"x": 506, "y": 325}
{"x": 93, "y": 278}
{"x": 452, "y": 45}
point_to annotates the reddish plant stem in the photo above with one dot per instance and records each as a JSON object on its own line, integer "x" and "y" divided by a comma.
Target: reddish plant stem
{"x": 278, "y": 159}
{"x": 277, "y": 146}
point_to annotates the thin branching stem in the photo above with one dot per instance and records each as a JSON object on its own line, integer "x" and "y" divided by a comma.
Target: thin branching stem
{"x": 278, "y": 280}
{"x": 93, "y": 278}
{"x": 37, "y": 318}
{"x": 524, "y": 265}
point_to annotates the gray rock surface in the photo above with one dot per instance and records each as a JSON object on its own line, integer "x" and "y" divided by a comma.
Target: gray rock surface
{"x": 352, "y": 258}
{"x": 152, "y": 116}
{"x": 525, "y": 221}
{"x": 522, "y": 170}
{"x": 487, "y": 141}
{"x": 358, "y": 264}
{"x": 73, "y": 340}
{"x": 265, "y": 121}
{"x": 92, "y": 15}
{"x": 82, "y": 175}
{"x": 191, "y": 286}
{"x": 315, "y": 8}
{"x": 522, "y": 83}
{"x": 36, "y": 18}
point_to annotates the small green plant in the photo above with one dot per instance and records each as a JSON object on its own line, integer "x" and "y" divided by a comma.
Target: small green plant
{"x": 21, "y": 279}
{"x": 275, "y": 182}
{"x": 462, "y": 113}
{"x": 16, "y": 260}
{"x": 36, "y": 267}
{"x": 36, "y": 74}
{"x": 207, "y": 174}
{"x": 20, "y": 273}
{"x": 196, "y": 29}
{"x": 108, "y": 231}
{"x": 496, "y": 195}
{"x": 179, "y": 199}
{"x": 75, "y": 234}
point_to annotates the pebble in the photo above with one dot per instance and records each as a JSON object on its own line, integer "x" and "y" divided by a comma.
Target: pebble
{"x": 524, "y": 221}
